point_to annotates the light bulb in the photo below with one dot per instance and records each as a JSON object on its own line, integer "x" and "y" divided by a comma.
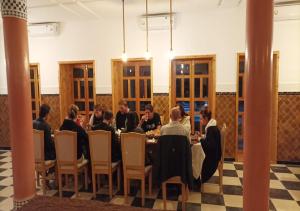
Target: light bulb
{"x": 124, "y": 57}
{"x": 147, "y": 55}
{"x": 171, "y": 54}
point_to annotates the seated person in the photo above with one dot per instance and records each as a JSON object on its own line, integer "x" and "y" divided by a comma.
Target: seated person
{"x": 132, "y": 124}
{"x": 174, "y": 127}
{"x": 42, "y": 124}
{"x": 151, "y": 119}
{"x": 211, "y": 145}
{"x": 106, "y": 125}
{"x": 82, "y": 138}
{"x": 97, "y": 116}
{"x": 122, "y": 115}
{"x": 185, "y": 119}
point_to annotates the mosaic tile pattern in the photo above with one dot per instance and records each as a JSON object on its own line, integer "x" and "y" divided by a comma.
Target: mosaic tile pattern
{"x": 225, "y": 113}
{"x": 54, "y": 116}
{"x": 4, "y": 129}
{"x": 161, "y": 105}
{"x": 104, "y": 100}
{"x": 284, "y": 190}
{"x": 288, "y": 127}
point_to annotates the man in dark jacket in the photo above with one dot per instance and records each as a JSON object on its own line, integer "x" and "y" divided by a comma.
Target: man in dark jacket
{"x": 106, "y": 125}
{"x": 41, "y": 124}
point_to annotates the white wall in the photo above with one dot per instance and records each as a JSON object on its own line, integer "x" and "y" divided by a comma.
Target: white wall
{"x": 220, "y": 32}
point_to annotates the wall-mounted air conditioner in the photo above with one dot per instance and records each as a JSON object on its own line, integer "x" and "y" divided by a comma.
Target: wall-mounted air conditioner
{"x": 287, "y": 10}
{"x": 159, "y": 21}
{"x": 43, "y": 29}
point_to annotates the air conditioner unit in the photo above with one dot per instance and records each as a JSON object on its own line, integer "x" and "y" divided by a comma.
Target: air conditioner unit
{"x": 284, "y": 12}
{"x": 43, "y": 29}
{"x": 159, "y": 21}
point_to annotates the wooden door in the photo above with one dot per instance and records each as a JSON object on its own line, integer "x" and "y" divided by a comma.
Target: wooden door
{"x": 35, "y": 90}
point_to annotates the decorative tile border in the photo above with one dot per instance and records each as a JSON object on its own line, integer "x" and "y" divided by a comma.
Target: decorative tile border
{"x": 14, "y": 8}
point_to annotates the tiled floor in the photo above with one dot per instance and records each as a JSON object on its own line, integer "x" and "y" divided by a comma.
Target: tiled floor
{"x": 284, "y": 191}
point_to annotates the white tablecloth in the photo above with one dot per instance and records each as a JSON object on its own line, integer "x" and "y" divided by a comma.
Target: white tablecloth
{"x": 198, "y": 156}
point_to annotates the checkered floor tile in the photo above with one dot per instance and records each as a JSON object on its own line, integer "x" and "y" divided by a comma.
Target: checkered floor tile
{"x": 284, "y": 190}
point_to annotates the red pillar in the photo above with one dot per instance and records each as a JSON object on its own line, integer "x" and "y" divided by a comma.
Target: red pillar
{"x": 258, "y": 99}
{"x": 14, "y": 15}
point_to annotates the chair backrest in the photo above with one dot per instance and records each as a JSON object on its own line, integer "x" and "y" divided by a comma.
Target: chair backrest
{"x": 223, "y": 140}
{"x": 162, "y": 119}
{"x": 133, "y": 150}
{"x": 100, "y": 146}
{"x": 38, "y": 139}
{"x": 65, "y": 147}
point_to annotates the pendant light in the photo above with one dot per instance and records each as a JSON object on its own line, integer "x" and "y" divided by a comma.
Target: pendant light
{"x": 124, "y": 56}
{"x": 171, "y": 53}
{"x": 147, "y": 53}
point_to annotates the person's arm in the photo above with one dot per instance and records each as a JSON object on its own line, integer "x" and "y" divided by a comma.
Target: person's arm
{"x": 118, "y": 123}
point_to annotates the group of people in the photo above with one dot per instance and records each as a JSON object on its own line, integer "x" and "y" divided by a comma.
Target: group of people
{"x": 128, "y": 121}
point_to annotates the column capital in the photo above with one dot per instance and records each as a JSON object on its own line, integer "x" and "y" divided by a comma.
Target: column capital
{"x": 14, "y": 8}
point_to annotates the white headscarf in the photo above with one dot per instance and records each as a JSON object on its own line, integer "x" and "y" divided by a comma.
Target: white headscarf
{"x": 212, "y": 122}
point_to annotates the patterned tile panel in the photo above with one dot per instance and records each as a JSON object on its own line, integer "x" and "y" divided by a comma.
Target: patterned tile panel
{"x": 225, "y": 113}
{"x": 104, "y": 99}
{"x": 54, "y": 117}
{"x": 288, "y": 127}
{"x": 161, "y": 105}
{"x": 4, "y": 128}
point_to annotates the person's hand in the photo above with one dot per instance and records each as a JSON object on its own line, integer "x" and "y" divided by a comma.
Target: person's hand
{"x": 144, "y": 118}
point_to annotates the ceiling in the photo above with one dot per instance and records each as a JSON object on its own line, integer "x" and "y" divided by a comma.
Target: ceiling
{"x": 69, "y": 10}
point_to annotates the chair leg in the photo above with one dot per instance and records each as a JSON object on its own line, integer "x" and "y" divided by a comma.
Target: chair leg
{"x": 128, "y": 186}
{"x": 94, "y": 184}
{"x": 183, "y": 196}
{"x": 43, "y": 182}
{"x": 150, "y": 183}
{"x": 86, "y": 178}
{"x": 60, "y": 184}
{"x": 221, "y": 178}
{"x": 164, "y": 190}
{"x": 119, "y": 178}
{"x": 76, "y": 184}
{"x": 143, "y": 192}
{"x": 38, "y": 178}
{"x": 125, "y": 188}
{"x": 110, "y": 185}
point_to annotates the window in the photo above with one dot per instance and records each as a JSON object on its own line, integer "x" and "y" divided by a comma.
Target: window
{"x": 77, "y": 87}
{"x": 134, "y": 84}
{"x": 35, "y": 90}
{"x": 193, "y": 86}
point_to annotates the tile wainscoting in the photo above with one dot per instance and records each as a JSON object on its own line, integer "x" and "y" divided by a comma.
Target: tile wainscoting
{"x": 288, "y": 119}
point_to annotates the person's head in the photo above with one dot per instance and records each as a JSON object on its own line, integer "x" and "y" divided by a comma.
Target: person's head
{"x": 205, "y": 116}
{"x": 149, "y": 111}
{"x": 99, "y": 110}
{"x": 175, "y": 114}
{"x": 44, "y": 111}
{"x": 131, "y": 122}
{"x": 181, "y": 109}
{"x": 73, "y": 111}
{"x": 123, "y": 106}
{"x": 108, "y": 117}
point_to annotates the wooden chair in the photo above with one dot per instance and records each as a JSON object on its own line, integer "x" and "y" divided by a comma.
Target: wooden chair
{"x": 221, "y": 163}
{"x": 133, "y": 156}
{"x": 41, "y": 166}
{"x": 100, "y": 149}
{"x": 66, "y": 156}
{"x": 184, "y": 191}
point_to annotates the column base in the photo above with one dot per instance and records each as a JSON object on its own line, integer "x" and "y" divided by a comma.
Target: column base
{"x": 19, "y": 204}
